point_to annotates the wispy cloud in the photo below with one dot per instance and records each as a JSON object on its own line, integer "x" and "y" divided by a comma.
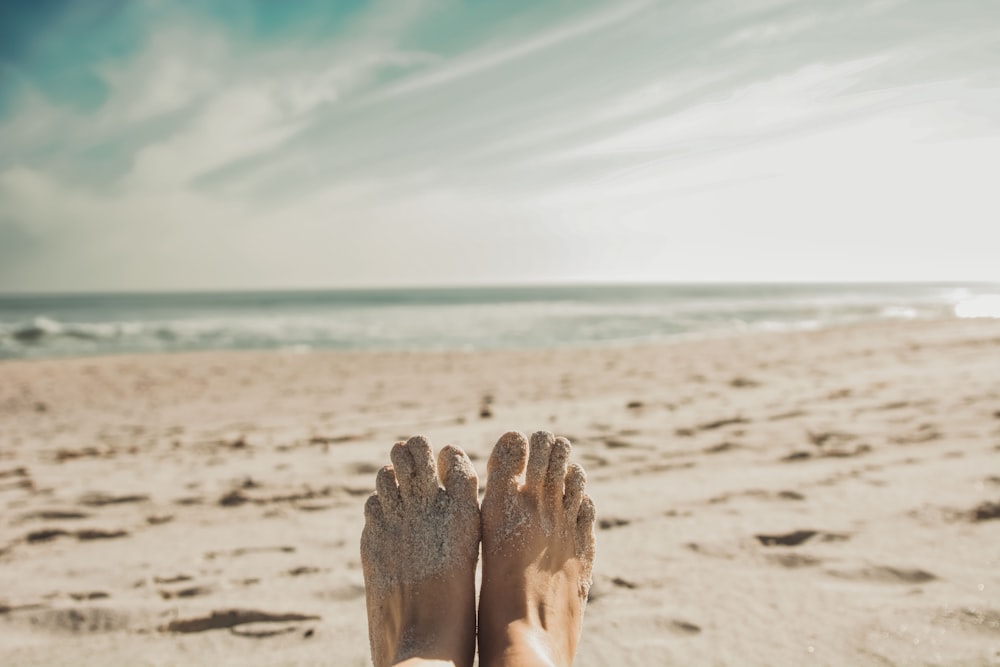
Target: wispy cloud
{"x": 377, "y": 148}
{"x": 477, "y": 62}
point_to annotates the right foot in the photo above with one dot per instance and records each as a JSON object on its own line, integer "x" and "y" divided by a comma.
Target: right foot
{"x": 538, "y": 553}
{"x": 418, "y": 551}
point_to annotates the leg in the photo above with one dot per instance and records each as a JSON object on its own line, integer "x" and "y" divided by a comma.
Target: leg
{"x": 538, "y": 553}
{"x": 419, "y": 550}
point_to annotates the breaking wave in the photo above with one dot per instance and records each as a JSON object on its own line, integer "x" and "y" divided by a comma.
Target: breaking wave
{"x": 44, "y": 326}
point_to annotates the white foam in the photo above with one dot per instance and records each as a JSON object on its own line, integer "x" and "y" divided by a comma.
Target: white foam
{"x": 899, "y": 312}
{"x": 984, "y": 305}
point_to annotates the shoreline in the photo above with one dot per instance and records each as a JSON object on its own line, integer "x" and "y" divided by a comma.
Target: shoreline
{"x": 467, "y": 318}
{"x": 758, "y": 495}
{"x": 669, "y": 340}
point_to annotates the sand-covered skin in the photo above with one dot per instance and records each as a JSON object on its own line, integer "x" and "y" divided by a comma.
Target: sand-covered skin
{"x": 419, "y": 549}
{"x": 784, "y": 499}
{"x": 538, "y": 552}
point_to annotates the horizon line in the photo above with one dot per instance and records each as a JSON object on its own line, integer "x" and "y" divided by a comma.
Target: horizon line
{"x": 486, "y": 286}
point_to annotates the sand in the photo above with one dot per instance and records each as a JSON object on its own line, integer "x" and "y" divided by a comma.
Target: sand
{"x": 825, "y": 498}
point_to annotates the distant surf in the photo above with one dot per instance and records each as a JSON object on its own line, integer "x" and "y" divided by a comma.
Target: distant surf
{"x": 35, "y": 326}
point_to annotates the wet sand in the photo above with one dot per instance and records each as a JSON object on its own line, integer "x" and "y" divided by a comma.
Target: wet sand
{"x": 828, "y": 498}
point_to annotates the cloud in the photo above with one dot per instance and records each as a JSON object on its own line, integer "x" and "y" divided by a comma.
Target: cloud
{"x": 254, "y": 151}
{"x": 476, "y": 63}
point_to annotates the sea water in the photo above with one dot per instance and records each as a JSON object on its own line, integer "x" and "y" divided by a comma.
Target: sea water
{"x": 456, "y": 318}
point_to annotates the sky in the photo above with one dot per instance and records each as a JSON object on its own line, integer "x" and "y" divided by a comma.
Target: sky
{"x": 216, "y": 144}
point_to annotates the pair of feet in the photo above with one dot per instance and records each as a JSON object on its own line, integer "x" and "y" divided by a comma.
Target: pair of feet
{"x": 421, "y": 542}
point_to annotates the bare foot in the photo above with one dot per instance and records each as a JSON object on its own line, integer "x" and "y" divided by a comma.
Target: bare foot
{"x": 418, "y": 551}
{"x": 538, "y": 553}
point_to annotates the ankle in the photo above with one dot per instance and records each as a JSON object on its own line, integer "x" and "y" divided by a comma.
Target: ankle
{"x": 435, "y": 647}
{"x": 451, "y": 644}
{"x": 437, "y": 623}
{"x": 521, "y": 643}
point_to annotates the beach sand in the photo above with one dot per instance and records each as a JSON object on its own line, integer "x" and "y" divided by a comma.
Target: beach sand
{"x": 820, "y": 498}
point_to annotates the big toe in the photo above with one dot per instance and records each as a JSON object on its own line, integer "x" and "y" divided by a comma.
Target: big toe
{"x": 506, "y": 463}
{"x": 538, "y": 460}
{"x": 413, "y": 461}
{"x": 458, "y": 475}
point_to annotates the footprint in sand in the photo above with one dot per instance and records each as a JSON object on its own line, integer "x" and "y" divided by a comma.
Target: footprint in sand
{"x": 85, "y": 535}
{"x": 682, "y": 628}
{"x": 94, "y": 534}
{"x": 791, "y": 539}
{"x": 243, "y": 551}
{"x": 794, "y": 560}
{"x": 55, "y": 515}
{"x": 797, "y": 537}
{"x": 232, "y": 618}
{"x": 44, "y": 535}
{"x": 100, "y": 499}
{"x": 80, "y": 620}
{"x": 886, "y": 575}
{"x": 188, "y": 592}
{"x": 985, "y": 512}
{"x": 89, "y": 595}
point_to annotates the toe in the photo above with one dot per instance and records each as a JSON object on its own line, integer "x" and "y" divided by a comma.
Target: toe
{"x": 373, "y": 510}
{"x": 538, "y": 460}
{"x": 388, "y": 491}
{"x": 402, "y": 462}
{"x": 576, "y": 481}
{"x": 425, "y": 478}
{"x": 374, "y": 527}
{"x": 556, "y": 473}
{"x": 585, "y": 532}
{"x": 414, "y": 466}
{"x": 458, "y": 476}
{"x": 506, "y": 463}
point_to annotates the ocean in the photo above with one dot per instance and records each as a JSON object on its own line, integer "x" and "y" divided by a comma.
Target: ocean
{"x": 51, "y": 325}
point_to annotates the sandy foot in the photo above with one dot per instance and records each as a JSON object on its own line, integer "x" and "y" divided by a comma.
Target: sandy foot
{"x": 538, "y": 553}
{"x": 418, "y": 551}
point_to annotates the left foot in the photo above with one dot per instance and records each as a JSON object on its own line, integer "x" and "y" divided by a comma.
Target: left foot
{"x": 538, "y": 553}
{"x": 419, "y": 550}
